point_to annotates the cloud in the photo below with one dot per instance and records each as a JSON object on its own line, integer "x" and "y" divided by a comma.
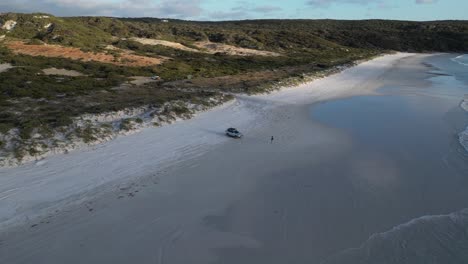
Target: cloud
{"x": 124, "y": 8}
{"x": 326, "y": 3}
{"x": 244, "y": 10}
{"x": 188, "y": 9}
{"x": 183, "y": 9}
{"x": 381, "y": 3}
{"x": 229, "y": 15}
{"x": 425, "y": 1}
{"x": 266, "y": 9}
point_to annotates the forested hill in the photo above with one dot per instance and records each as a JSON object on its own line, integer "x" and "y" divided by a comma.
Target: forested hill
{"x": 273, "y": 35}
{"x": 371, "y": 34}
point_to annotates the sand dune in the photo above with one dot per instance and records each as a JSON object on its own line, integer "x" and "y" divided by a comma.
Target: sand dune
{"x": 175, "y": 45}
{"x": 208, "y": 47}
{"x": 212, "y": 47}
{"x": 63, "y": 72}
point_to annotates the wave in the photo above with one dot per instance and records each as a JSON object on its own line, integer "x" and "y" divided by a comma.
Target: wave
{"x": 428, "y": 239}
{"x": 462, "y": 60}
{"x": 464, "y": 104}
{"x": 463, "y": 138}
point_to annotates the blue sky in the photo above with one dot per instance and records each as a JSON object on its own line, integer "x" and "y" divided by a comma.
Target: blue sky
{"x": 245, "y": 9}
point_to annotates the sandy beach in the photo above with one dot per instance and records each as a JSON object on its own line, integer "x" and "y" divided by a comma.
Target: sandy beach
{"x": 72, "y": 178}
{"x": 185, "y": 193}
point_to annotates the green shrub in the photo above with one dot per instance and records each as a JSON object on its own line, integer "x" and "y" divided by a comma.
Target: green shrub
{"x": 32, "y": 151}
{"x": 34, "y": 41}
{"x": 46, "y": 131}
{"x": 27, "y": 128}
{"x": 180, "y": 109}
{"x": 5, "y": 127}
{"x": 62, "y": 120}
{"x": 126, "y": 124}
{"x": 87, "y": 134}
{"x": 19, "y": 153}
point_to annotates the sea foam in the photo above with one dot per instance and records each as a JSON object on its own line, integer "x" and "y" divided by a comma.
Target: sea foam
{"x": 464, "y": 104}
{"x": 421, "y": 240}
{"x": 463, "y": 136}
{"x": 462, "y": 60}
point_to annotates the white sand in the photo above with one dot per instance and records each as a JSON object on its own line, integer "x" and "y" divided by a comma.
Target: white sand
{"x": 207, "y": 47}
{"x": 63, "y": 72}
{"x": 213, "y": 47}
{"x": 140, "y": 80}
{"x": 5, "y": 67}
{"x": 35, "y": 190}
{"x": 175, "y": 45}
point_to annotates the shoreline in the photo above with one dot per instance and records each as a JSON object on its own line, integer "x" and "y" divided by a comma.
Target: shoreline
{"x": 447, "y": 223}
{"x": 463, "y": 136}
{"x": 100, "y": 123}
{"x": 74, "y": 178}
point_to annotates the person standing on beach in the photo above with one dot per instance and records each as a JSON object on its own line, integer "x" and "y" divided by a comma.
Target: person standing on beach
{"x": 271, "y": 141}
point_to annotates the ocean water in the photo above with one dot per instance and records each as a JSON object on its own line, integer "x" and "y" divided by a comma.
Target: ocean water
{"x": 428, "y": 239}
{"x": 415, "y": 140}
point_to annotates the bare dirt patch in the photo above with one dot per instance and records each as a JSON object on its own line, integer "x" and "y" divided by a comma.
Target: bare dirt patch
{"x": 174, "y": 45}
{"x": 63, "y": 72}
{"x": 125, "y": 58}
{"x": 211, "y": 47}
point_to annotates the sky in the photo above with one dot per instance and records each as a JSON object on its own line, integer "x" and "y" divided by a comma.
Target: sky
{"x": 420, "y": 10}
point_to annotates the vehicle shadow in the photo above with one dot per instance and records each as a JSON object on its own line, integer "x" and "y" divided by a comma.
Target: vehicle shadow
{"x": 214, "y": 132}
